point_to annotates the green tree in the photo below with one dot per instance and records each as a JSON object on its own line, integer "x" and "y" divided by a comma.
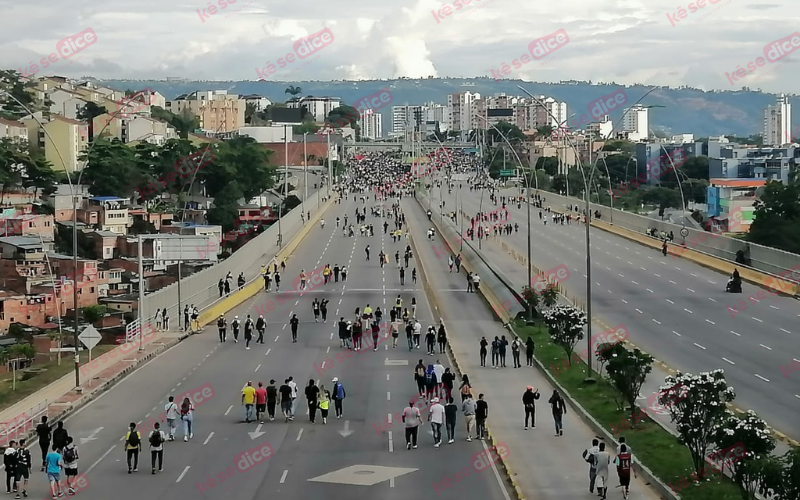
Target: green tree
{"x": 343, "y": 116}
{"x": 565, "y": 324}
{"x": 112, "y": 169}
{"x": 38, "y": 174}
{"x": 753, "y": 435}
{"x": 184, "y": 123}
{"x": 510, "y": 131}
{"x": 696, "y": 167}
{"x": 294, "y": 91}
{"x": 94, "y": 313}
{"x": 547, "y": 163}
{"x": 628, "y": 370}
{"x": 777, "y": 217}
{"x": 88, "y": 113}
{"x": 12, "y": 82}
{"x": 624, "y": 147}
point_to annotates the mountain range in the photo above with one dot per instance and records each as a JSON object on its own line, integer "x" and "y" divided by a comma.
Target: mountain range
{"x": 686, "y": 110}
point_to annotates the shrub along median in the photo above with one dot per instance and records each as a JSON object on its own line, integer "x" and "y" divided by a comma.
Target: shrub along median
{"x": 653, "y": 446}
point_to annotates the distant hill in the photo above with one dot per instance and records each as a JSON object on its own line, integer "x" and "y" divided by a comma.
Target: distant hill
{"x": 687, "y": 110}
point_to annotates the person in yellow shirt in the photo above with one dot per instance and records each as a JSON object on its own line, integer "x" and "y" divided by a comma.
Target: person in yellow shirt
{"x": 249, "y": 401}
{"x": 133, "y": 445}
{"x": 324, "y": 403}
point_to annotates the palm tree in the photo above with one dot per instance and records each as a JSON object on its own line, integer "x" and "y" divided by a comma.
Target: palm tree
{"x": 294, "y": 91}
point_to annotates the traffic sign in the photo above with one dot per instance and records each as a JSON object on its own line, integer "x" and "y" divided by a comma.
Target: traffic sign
{"x": 90, "y": 337}
{"x": 507, "y": 173}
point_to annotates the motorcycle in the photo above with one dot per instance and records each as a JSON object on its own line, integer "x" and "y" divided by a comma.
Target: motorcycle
{"x": 734, "y": 286}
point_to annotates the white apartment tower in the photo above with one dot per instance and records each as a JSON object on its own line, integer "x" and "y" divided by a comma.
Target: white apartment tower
{"x": 406, "y": 118}
{"x": 635, "y": 121}
{"x": 778, "y": 123}
{"x": 371, "y": 124}
{"x": 459, "y": 110}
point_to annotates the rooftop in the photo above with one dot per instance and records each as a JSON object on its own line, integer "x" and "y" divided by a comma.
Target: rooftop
{"x": 22, "y": 241}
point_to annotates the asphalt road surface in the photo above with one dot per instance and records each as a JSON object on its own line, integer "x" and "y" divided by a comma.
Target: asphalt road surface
{"x": 358, "y": 456}
{"x": 673, "y": 308}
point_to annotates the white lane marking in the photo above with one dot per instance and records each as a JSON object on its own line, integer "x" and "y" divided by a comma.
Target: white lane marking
{"x": 656, "y": 321}
{"x": 712, "y": 300}
{"x": 766, "y": 347}
{"x": 276, "y": 338}
{"x": 785, "y": 330}
{"x": 621, "y": 276}
{"x": 257, "y": 367}
{"x": 329, "y": 350}
{"x": 693, "y": 275}
{"x": 100, "y": 459}
{"x": 283, "y": 477}
{"x": 389, "y": 419}
{"x": 757, "y": 319}
{"x": 709, "y": 321}
{"x": 391, "y": 482}
{"x": 183, "y": 473}
{"x": 698, "y": 345}
{"x": 656, "y": 275}
{"x": 649, "y": 290}
{"x": 635, "y": 283}
{"x": 672, "y": 282}
{"x": 639, "y": 311}
{"x": 688, "y": 311}
{"x": 208, "y": 438}
{"x": 387, "y": 376}
{"x": 673, "y": 303}
{"x": 500, "y": 481}
{"x": 391, "y": 443}
{"x": 762, "y": 378}
{"x": 388, "y": 396}
{"x": 690, "y": 290}
{"x": 624, "y": 301}
{"x": 268, "y": 351}
{"x": 229, "y": 409}
{"x": 773, "y": 307}
{"x": 299, "y": 434}
{"x": 737, "y": 334}
{"x": 729, "y": 361}
{"x": 676, "y": 333}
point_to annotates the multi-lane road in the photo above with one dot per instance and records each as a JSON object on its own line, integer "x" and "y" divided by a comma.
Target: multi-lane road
{"x": 674, "y": 309}
{"x": 358, "y": 456}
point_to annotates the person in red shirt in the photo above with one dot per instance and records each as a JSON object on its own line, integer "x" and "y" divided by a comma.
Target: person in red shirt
{"x": 623, "y": 463}
{"x": 261, "y": 402}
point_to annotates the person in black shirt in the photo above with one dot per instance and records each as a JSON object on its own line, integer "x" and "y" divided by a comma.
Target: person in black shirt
{"x": 559, "y": 409}
{"x": 286, "y": 400}
{"x": 248, "y": 331}
{"x": 10, "y": 459}
{"x": 529, "y": 398}
{"x": 43, "y": 431}
{"x": 60, "y": 436}
{"x": 481, "y": 414}
{"x": 323, "y": 307}
{"x": 272, "y": 399}
{"x": 261, "y": 327}
{"x": 312, "y": 393}
{"x": 294, "y": 322}
{"x": 484, "y": 343}
{"x": 450, "y": 412}
{"x": 23, "y": 469}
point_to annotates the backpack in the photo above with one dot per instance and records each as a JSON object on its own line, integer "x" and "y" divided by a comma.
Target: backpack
{"x": 155, "y": 439}
{"x": 69, "y": 455}
{"x": 420, "y": 372}
{"x": 429, "y": 378}
{"x": 133, "y": 439}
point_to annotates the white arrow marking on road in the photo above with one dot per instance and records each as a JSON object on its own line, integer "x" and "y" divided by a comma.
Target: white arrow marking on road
{"x": 92, "y": 436}
{"x": 346, "y": 432}
{"x": 257, "y": 433}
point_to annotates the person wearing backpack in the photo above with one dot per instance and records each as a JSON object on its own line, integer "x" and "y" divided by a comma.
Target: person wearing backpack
{"x": 589, "y": 455}
{"x": 157, "y": 439}
{"x": 187, "y": 415}
{"x": 133, "y": 445}
{"x": 338, "y": 397}
{"x": 71, "y": 464}
{"x": 24, "y": 463}
{"x": 171, "y": 409}
{"x": 419, "y": 376}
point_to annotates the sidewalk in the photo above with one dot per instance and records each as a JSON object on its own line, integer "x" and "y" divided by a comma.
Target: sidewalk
{"x": 540, "y": 465}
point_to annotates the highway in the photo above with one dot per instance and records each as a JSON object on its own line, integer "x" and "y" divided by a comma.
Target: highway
{"x": 674, "y": 309}
{"x": 359, "y": 456}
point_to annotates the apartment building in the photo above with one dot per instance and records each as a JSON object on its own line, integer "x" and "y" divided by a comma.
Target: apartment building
{"x": 64, "y": 141}
{"x": 778, "y": 123}
{"x": 68, "y": 103}
{"x": 320, "y": 107}
{"x": 14, "y": 222}
{"x": 216, "y": 110}
{"x": 371, "y": 124}
{"x": 108, "y": 213}
{"x": 13, "y": 130}
{"x": 636, "y": 123}
{"x": 728, "y": 160}
{"x": 459, "y": 110}
{"x": 260, "y": 103}
{"x": 408, "y": 118}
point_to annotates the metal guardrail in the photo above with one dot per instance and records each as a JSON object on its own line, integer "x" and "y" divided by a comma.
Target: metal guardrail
{"x": 20, "y": 426}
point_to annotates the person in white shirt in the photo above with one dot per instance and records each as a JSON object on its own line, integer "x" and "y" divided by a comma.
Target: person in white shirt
{"x": 436, "y": 418}
{"x": 417, "y": 332}
{"x": 293, "y": 385}
{"x": 476, "y": 281}
{"x": 412, "y": 418}
{"x": 171, "y": 409}
{"x": 438, "y": 369}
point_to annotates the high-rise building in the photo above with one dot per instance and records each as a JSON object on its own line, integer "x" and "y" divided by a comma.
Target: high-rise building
{"x": 370, "y": 123}
{"x": 408, "y": 118}
{"x": 635, "y": 121}
{"x": 320, "y": 107}
{"x": 460, "y": 110}
{"x": 778, "y": 123}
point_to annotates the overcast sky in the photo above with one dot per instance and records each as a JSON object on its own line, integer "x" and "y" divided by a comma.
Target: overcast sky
{"x": 626, "y": 41}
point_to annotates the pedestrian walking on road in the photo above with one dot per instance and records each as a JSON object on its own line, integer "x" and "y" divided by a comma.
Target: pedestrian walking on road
{"x": 248, "y": 332}
{"x": 60, "y": 436}
{"x": 10, "y": 460}
{"x": 312, "y": 397}
{"x": 165, "y": 315}
{"x": 482, "y": 352}
{"x": 530, "y": 347}
{"x": 44, "y": 432}
{"x": 468, "y": 407}
{"x": 344, "y": 273}
{"x": 417, "y": 332}
{"x": 559, "y": 409}
{"x": 603, "y": 460}
{"x": 71, "y": 464}
{"x": 323, "y": 307}
{"x": 338, "y": 397}
{"x": 623, "y": 462}
{"x": 315, "y": 309}
{"x": 465, "y": 387}
{"x": 171, "y": 410}
{"x": 272, "y": 399}
{"x": 23, "y": 473}
{"x": 324, "y": 403}
{"x": 235, "y": 326}
{"x": 469, "y": 282}
{"x": 133, "y": 446}
{"x": 414, "y": 275}
{"x": 481, "y": 415}
{"x": 261, "y": 402}
{"x": 515, "y": 347}
{"x": 430, "y": 340}
{"x": 277, "y": 281}
{"x": 448, "y": 379}
{"x": 366, "y": 251}
{"x": 450, "y": 263}
{"x": 186, "y": 318}
{"x": 286, "y": 400}
{"x": 419, "y": 377}
{"x": 248, "y": 401}
{"x": 156, "y": 439}
{"x": 412, "y": 418}
{"x": 402, "y": 276}
{"x": 529, "y": 398}
{"x": 590, "y": 456}
{"x": 409, "y": 334}
{"x": 294, "y": 322}
{"x": 159, "y": 321}
{"x": 221, "y": 286}
{"x": 53, "y": 464}
{"x": 502, "y": 351}
{"x": 222, "y": 326}
{"x": 436, "y": 418}
{"x": 441, "y": 337}
{"x": 450, "y": 413}
{"x": 261, "y": 326}
{"x": 187, "y": 416}
{"x": 495, "y": 352}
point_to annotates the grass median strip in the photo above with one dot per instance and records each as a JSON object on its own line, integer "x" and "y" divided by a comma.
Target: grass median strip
{"x": 653, "y": 446}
